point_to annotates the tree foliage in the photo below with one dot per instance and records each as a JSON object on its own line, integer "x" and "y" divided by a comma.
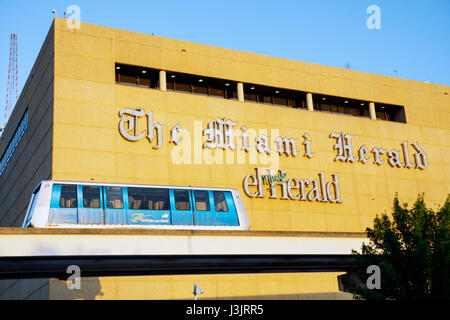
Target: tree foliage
{"x": 412, "y": 249}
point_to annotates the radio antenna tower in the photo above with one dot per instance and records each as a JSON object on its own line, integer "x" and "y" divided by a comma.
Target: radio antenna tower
{"x": 12, "y": 90}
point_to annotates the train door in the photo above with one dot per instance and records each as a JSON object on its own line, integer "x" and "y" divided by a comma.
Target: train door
{"x": 203, "y": 211}
{"x": 64, "y": 204}
{"x": 115, "y": 212}
{"x": 225, "y": 213}
{"x": 90, "y": 208}
{"x": 181, "y": 207}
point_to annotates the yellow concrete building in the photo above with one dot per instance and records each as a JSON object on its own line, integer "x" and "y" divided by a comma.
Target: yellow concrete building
{"x": 341, "y": 143}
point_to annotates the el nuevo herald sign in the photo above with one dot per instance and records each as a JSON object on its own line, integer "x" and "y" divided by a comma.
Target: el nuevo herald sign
{"x": 222, "y": 134}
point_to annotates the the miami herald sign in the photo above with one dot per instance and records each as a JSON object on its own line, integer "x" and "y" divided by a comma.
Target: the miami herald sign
{"x": 223, "y": 134}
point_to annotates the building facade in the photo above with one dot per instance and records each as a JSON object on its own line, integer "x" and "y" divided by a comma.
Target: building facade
{"x": 310, "y": 148}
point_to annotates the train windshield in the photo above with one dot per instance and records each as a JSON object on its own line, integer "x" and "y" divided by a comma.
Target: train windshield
{"x": 31, "y": 206}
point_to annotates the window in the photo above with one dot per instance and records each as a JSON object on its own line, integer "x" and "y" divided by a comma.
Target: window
{"x": 200, "y": 89}
{"x": 136, "y": 198}
{"x": 195, "y": 84}
{"x": 137, "y": 76}
{"x": 280, "y": 100}
{"x": 12, "y": 145}
{"x": 217, "y": 92}
{"x": 182, "y": 84}
{"x": 202, "y": 201}
{"x": 68, "y": 197}
{"x": 126, "y": 79}
{"x": 148, "y": 199}
{"x": 250, "y": 96}
{"x": 230, "y": 91}
{"x": 267, "y": 99}
{"x": 91, "y": 197}
{"x": 220, "y": 203}
{"x": 274, "y": 96}
{"x": 182, "y": 200}
{"x": 158, "y": 199}
{"x": 114, "y": 198}
{"x": 216, "y": 88}
{"x": 170, "y": 82}
{"x": 227, "y": 89}
{"x": 341, "y": 105}
{"x": 390, "y": 112}
{"x": 295, "y": 103}
{"x": 144, "y": 82}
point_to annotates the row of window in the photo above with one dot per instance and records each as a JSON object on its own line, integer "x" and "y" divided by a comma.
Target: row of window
{"x": 135, "y": 76}
{"x": 275, "y": 96}
{"x": 358, "y": 108}
{"x": 227, "y": 89}
{"x": 141, "y": 198}
{"x": 18, "y": 134}
{"x": 201, "y": 85}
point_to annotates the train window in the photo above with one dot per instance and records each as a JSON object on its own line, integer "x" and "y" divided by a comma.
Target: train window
{"x": 114, "y": 198}
{"x": 68, "y": 196}
{"x": 158, "y": 199}
{"x": 148, "y": 199}
{"x": 182, "y": 200}
{"x": 136, "y": 198}
{"x": 202, "y": 201}
{"x": 91, "y": 197}
{"x": 220, "y": 202}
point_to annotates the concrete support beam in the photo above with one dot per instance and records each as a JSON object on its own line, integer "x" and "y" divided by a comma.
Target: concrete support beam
{"x": 309, "y": 101}
{"x": 372, "y": 112}
{"x": 162, "y": 80}
{"x": 240, "y": 91}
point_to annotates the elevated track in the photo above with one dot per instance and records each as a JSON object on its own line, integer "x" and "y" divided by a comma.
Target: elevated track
{"x": 47, "y": 252}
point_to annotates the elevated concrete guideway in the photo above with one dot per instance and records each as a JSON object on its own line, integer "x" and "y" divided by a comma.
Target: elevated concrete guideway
{"x": 32, "y": 252}
{"x": 15, "y": 242}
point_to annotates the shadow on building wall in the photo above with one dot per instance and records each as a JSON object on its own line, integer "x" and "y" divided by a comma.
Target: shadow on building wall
{"x": 90, "y": 289}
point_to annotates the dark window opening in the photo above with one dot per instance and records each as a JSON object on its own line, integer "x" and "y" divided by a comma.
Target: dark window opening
{"x": 137, "y": 76}
{"x": 390, "y": 112}
{"x": 227, "y": 89}
{"x": 333, "y": 104}
{"x": 206, "y": 86}
{"x": 358, "y": 108}
{"x": 274, "y": 96}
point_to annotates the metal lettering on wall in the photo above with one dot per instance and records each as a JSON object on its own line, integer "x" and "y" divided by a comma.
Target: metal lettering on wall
{"x": 223, "y": 134}
{"x": 292, "y": 188}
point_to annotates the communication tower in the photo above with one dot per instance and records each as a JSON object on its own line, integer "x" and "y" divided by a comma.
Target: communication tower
{"x": 12, "y": 90}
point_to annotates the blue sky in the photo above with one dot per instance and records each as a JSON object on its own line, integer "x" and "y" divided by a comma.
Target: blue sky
{"x": 414, "y": 38}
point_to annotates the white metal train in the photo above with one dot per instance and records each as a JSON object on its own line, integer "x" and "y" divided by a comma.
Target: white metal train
{"x": 99, "y": 205}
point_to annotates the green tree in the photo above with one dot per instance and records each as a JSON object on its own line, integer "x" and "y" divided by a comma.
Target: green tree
{"x": 412, "y": 250}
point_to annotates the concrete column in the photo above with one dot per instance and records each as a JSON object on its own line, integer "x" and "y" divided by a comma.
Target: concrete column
{"x": 240, "y": 91}
{"x": 309, "y": 101}
{"x": 372, "y": 112}
{"x": 162, "y": 80}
